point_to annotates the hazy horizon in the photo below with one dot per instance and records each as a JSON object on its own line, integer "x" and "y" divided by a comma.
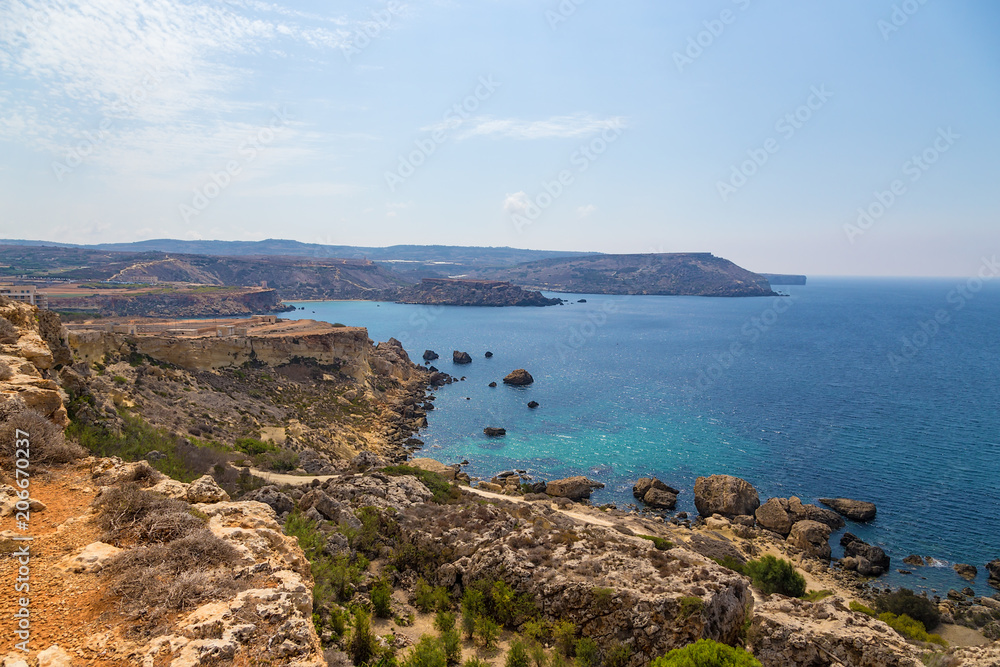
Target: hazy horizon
{"x": 856, "y": 139}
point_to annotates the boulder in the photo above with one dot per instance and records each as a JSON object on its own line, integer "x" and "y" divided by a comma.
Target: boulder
{"x": 489, "y": 355}
{"x": 574, "y": 488}
{"x": 644, "y": 484}
{"x": 492, "y": 384}
{"x": 430, "y": 355}
{"x": 433, "y": 465}
{"x": 773, "y": 515}
{"x": 660, "y": 499}
{"x": 270, "y": 495}
{"x": 91, "y": 558}
{"x": 875, "y": 556}
{"x": 812, "y": 537}
{"x": 367, "y": 460}
{"x": 205, "y": 490}
{"x": 54, "y": 656}
{"x": 532, "y": 404}
{"x": 966, "y": 571}
{"x": 855, "y": 510}
{"x": 461, "y": 357}
{"x": 494, "y": 432}
{"x": 799, "y": 512}
{"x": 914, "y": 560}
{"x": 518, "y": 378}
{"x": 490, "y": 486}
{"x": 726, "y": 495}
{"x": 993, "y": 569}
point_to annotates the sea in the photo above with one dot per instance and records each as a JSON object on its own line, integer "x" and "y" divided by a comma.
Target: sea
{"x": 886, "y": 390}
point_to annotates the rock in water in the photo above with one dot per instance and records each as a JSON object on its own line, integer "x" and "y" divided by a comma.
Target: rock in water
{"x": 532, "y": 404}
{"x": 855, "y": 510}
{"x": 993, "y": 568}
{"x": 914, "y": 560}
{"x": 494, "y": 432}
{"x": 966, "y": 571}
{"x": 725, "y": 495}
{"x": 858, "y": 548}
{"x": 430, "y": 355}
{"x": 644, "y": 484}
{"x": 489, "y": 355}
{"x": 519, "y": 378}
{"x": 660, "y": 499}
{"x": 492, "y": 384}
{"x": 574, "y": 488}
{"x": 461, "y": 357}
{"x": 812, "y": 537}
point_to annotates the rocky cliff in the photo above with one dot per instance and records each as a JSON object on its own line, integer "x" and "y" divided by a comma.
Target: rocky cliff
{"x": 169, "y": 301}
{"x": 31, "y": 352}
{"x": 446, "y": 292}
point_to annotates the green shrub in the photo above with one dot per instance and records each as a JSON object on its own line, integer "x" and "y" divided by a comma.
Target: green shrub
{"x": 731, "y": 563}
{"x": 517, "y": 655}
{"x": 428, "y": 598}
{"x": 564, "y": 635}
{"x": 118, "y": 379}
{"x": 382, "y": 598}
{"x": 537, "y": 653}
{"x": 472, "y": 608}
{"x": 706, "y": 653}
{"x": 910, "y": 628}
{"x": 816, "y": 596}
{"x": 617, "y": 655}
{"x": 428, "y": 652}
{"x": 660, "y": 543}
{"x": 254, "y": 447}
{"x": 776, "y": 575}
{"x": 858, "y": 607}
{"x": 363, "y": 645}
{"x": 587, "y": 654}
{"x": 475, "y": 662}
{"x": 444, "y": 621}
{"x": 488, "y": 632}
{"x": 602, "y": 597}
{"x": 905, "y": 601}
{"x": 689, "y": 606}
{"x": 535, "y": 630}
{"x": 451, "y": 641}
{"x": 282, "y": 461}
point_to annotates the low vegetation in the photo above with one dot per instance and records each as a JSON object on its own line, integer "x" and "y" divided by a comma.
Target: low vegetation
{"x": 707, "y": 653}
{"x": 444, "y": 491}
{"x": 47, "y": 443}
{"x": 775, "y": 575}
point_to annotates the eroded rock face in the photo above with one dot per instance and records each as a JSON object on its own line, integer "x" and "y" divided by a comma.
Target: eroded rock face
{"x": 518, "y": 378}
{"x": 788, "y": 632}
{"x": 574, "y": 488}
{"x": 812, "y": 537}
{"x": 855, "y": 510}
{"x": 993, "y": 568}
{"x": 206, "y": 490}
{"x": 725, "y": 495}
{"x": 872, "y": 561}
{"x": 31, "y": 360}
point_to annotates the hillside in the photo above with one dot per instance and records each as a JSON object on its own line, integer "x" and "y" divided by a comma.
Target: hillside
{"x": 688, "y": 274}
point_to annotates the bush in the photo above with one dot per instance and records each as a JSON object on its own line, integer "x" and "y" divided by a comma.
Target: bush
{"x": 910, "y": 628}
{"x": 472, "y": 608}
{"x": 428, "y": 652}
{"x": 731, "y": 563}
{"x": 816, "y": 596}
{"x": 46, "y": 440}
{"x": 254, "y": 447}
{"x": 129, "y": 514}
{"x": 475, "y": 662}
{"x": 860, "y": 608}
{"x": 537, "y": 653}
{"x": 363, "y": 645}
{"x": 444, "y": 621}
{"x": 905, "y": 601}
{"x": 587, "y": 654}
{"x": 488, "y": 632}
{"x": 282, "y": 461}
{"x": 660, "y": 543}
{"x": 776, "y": 575}
{"x": 689, "y": 606}
{"x": 517, "y": 655}
{"x": 428, "y": 598}
{"x": 706, "y": 653}
{"x": 6, "y": 372}
{"x": 617, "y": 655}
{"x": 381, "y": 596}
{"x": 451, "y": 641}
{"x": 564, "y": 634}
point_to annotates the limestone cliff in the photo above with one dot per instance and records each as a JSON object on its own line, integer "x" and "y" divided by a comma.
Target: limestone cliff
{"x": 31, "y": 351}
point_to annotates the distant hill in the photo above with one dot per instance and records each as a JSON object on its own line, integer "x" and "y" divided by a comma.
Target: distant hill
{"x": 784, "y": 279}
{"x": 691, "y": 274}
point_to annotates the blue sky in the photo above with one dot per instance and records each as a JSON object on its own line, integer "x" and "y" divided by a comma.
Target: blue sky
{"x": 751, "y": 129}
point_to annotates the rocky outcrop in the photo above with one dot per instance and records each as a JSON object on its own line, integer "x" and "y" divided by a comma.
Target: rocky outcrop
{"x": 532, "y": 404}
{"x": 966, "y": 571}
{"x": 451, "y": 292}
{"x": 993, "y": 568}
{"x": 780, "y": 514}
{"x": 177, "y": 302}
{"x": 461, "y": 357}
{"x": 574, "y": 488}
{"x": 870, "y": 560}
{"x": 655, "y": 493}
{"x": 281, "y": 503}
{"x": 725, "y": 495}
{"x": 787, "y": 632}
{"x": 28, "y": 361}
{"x": 519, "y": 378}
{"x": 855, "y": 510}
{"x": 430, "y": 355}
{"x": 914, "y": 560}
{"x": 812, "y": 537}
{"x": 494, "y": 432}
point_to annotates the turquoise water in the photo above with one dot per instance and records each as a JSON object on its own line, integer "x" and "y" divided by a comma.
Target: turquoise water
{"x": 799, "y": 395}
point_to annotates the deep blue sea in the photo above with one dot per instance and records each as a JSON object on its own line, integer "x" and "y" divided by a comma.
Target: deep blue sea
{"x": 878, "y": 389}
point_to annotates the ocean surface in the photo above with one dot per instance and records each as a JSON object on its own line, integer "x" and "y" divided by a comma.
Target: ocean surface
{"x": 885, "y": 390}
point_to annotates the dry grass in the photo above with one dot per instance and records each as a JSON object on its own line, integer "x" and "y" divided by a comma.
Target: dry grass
{"x": 48, "y": 444}
{"x": 130, "y": 515}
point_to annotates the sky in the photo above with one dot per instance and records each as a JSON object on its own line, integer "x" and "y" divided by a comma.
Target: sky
{"x": 839, "y": 138}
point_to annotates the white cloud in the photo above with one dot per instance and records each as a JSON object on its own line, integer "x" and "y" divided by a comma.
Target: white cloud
{"x": 556, "y": 127}
{"x": 584, "y": 211}
{"x": 517, "y": 203}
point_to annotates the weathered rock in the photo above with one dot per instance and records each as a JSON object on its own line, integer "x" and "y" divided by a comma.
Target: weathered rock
{"x": 660, "y": 499}
{"x": 54, "y": 656}
{"x": 914, "y": 560}
{"x": 799, "y": 512}
{"x": 812, "y": 537}
{"x": 461, "y": 357}
{"x": 280, "y": 502}
{"x": 430, "y": 355}
{"x": 490, "y": 486}
{"x": 9, "y": 500}
{"x": 367, "y": 460}
{"x": 432, "y": 465}
{"x": 725, "y": 495}
{"x": 644, "y": 484}
{"x": 855, "y": 510}
{"x": 710, "y": 547}
{"x": 91, "y": 558}
{"x": 518, "y": 378}
{"x": 773, "y": 515}
{"x": 966, "y": 571}
{"x": 574, "y": 488}
{"x": 494, "y": 432}
{"x": 206, "y": 490}
{"x": 794, "y": 633}
{"x": 876, "y": 557}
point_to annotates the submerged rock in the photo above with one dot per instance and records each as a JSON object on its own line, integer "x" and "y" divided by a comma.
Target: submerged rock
{"x": 966, "y": 571}
{"x": 492, "y": 384}
{"x": 725, "y": 495}
{"x": 914, "y": 560}
{"x": 494, "y": 432}
{"x": 855, "y": 510}
{"x": 519, "y": 378}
